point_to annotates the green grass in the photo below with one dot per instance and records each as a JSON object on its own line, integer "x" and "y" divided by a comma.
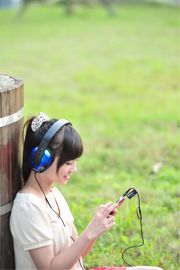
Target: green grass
{"x": 116, "y": 79}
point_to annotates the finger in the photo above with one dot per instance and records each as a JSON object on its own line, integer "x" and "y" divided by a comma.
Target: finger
{"x": 117, "y": 205}
{"x": 104, "y": 209}
{"x": 113, "y": 213}
{"x": 110, "y": 219}
{"x": 103, "y": 206}
{"x": 110, "y": 223}
{"x": 120, "y": 201}
{"x": 107, "y": 205}
{"x": 109, "y": 209}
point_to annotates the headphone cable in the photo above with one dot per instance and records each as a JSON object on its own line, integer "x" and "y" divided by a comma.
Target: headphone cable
{"x": 138, "y": 212}
{"x": 139, "y": 215}
{"x": 72, "y": 238}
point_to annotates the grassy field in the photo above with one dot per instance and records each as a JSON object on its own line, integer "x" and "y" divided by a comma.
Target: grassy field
{"x": 116, "y": 79}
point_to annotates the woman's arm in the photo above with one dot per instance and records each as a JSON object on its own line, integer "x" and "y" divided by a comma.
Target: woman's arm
{"x": 44, "y": 257}
{"x": 86, "y": 252}
{"x": 75, "y": 236}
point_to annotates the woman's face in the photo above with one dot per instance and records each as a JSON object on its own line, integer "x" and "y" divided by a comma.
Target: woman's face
{"x": 65, "y": 171}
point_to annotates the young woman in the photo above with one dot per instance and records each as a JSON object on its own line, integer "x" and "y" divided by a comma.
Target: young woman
{"x": 41, "y": 222}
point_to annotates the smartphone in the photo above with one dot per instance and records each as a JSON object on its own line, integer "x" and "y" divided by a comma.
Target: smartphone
{"x": 131, "y": 192}
{"x": 121, "y": 198}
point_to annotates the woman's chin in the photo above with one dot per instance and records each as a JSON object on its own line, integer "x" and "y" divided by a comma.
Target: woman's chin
{"x": 65, "y": 180}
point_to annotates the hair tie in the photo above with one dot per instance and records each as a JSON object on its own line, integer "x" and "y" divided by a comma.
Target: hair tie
{"x": 37, "y": 122}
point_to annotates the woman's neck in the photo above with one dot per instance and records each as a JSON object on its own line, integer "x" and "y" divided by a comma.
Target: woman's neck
{"x": 37, "y": 184}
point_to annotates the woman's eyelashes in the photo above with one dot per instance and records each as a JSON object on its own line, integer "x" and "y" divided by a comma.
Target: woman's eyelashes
{"x": 71, "y": 162}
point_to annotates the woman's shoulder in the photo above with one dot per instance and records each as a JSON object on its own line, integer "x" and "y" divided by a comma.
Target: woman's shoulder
{"x": 27, "y": 196}
{"x": 27, "y": 201}
{"x": 29, "y": 220}
{"x": 27, "y": 208}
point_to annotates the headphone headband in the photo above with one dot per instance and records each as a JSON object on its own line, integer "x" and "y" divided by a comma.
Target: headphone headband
{"x": 47, "y": 138}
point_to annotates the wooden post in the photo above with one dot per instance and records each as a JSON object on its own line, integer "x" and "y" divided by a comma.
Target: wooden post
{"x": 11, "y": 121}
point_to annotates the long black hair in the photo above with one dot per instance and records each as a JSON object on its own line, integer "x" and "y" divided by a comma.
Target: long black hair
{"x": 66, "y": 144}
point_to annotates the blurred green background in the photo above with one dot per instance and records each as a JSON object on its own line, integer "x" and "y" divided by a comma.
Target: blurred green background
{"x": 115, "y": 74}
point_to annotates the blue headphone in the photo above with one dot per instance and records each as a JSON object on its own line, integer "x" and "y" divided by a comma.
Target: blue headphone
{"x": 41, "y": 157}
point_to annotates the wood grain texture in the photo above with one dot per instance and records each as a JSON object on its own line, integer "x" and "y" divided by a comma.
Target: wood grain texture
{"x": 11, "y": 101}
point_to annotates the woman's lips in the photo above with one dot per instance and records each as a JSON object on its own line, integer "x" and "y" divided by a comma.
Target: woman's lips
{"x": 66, "y": 177}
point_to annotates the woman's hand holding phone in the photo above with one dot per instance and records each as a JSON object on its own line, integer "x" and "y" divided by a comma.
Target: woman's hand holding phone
{"x": 103, "y": 220}
{"x": 117, "y": 205}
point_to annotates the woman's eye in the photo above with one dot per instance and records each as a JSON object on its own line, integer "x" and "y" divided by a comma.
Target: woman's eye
{"x": 69, "y": 163}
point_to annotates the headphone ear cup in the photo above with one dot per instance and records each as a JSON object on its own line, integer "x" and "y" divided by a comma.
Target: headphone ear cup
{"x": 44, "y": 163}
